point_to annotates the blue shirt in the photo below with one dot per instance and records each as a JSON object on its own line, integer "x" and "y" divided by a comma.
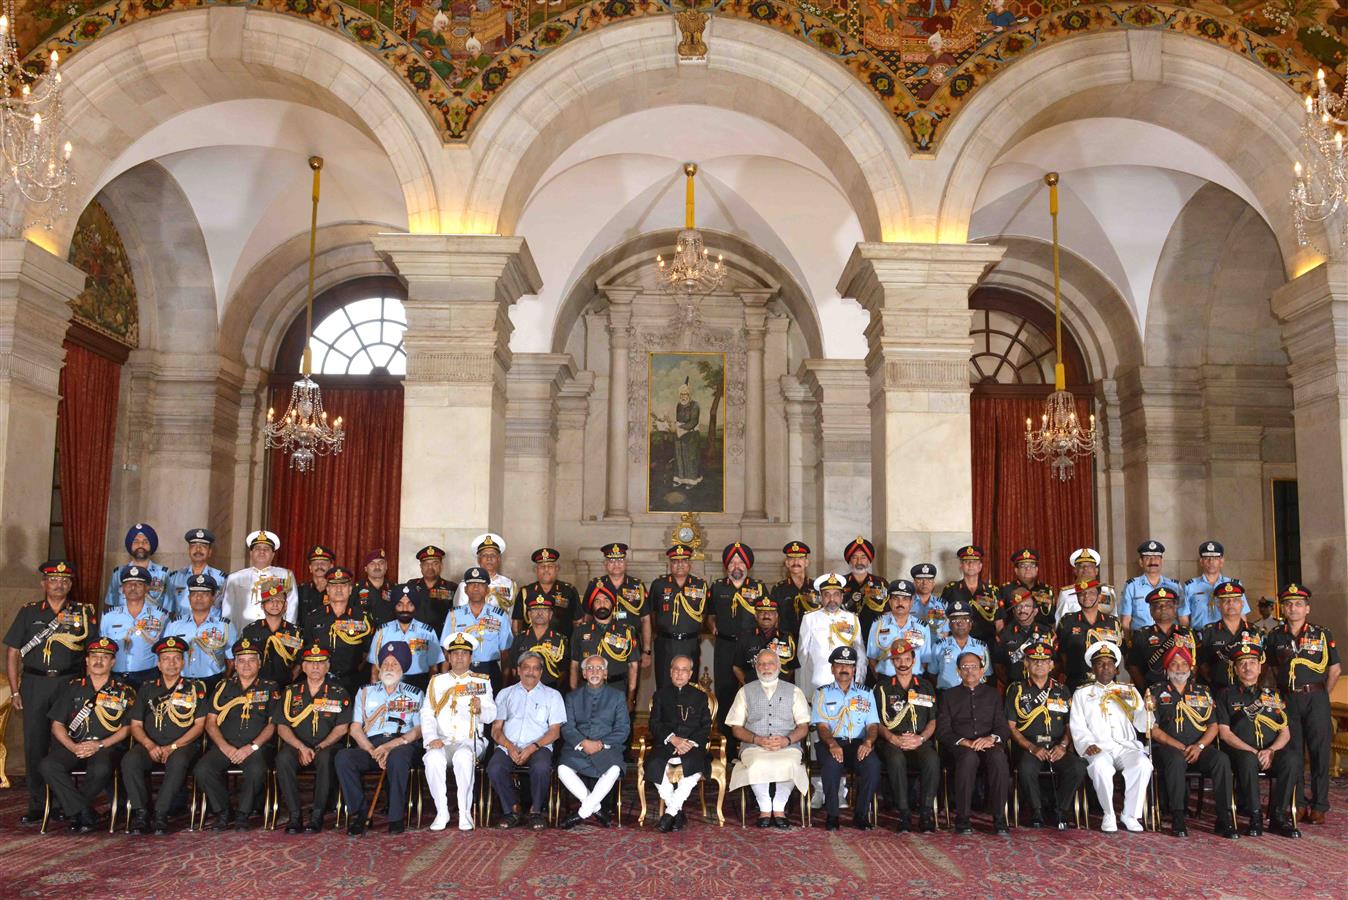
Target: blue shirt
{"x": 885, "y": 631}
{"x": 155, "y": 588}
{"x": 1199, "y": 604}
{"x": 207, "y": 643}
{"x": 491, "y": 628}
{"x": 933, "y": 616}
{"x": 526, "y": 715}
{"x": 846, "y": 713}
{"x": 135, "y": 637}
{"x": 175, "y": 590}
{"x": 1134, "y": 600}
{"x": 378, "y": 712}
{"x": 944, "y": 659}
{"x": 420, "y": 639}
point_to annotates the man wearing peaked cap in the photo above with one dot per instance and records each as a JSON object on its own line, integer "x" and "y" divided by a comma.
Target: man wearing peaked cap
{"x": 280, "y": 641}
{"x": 200, "y": 545}
{"x": 141, "y": 544}
{"x": 864, "y": 592}
{"x": 972, "y": 586}
{"x": 345, "y": 629}
{"x": 1133, "y": 612}
{"x": 846, "y": 723}
{"x": 314, "y": 718}
{"x": 795, "y": 594}
{"x": 313, "y": 592}
{"x": 1085, "y": 561}
{"x": 1214, "y": 663}
{"x": 1026, "y": 562}
{"x": 1089, "y": 625}
{"x": 243, "y": 589}
{"x": 678, "y": 604}
{"x": 1017, "y": 635}
{"x": 1105, "y": 721}
{"x": 166, "y": 724}
{"x": 1199, "y": 605}
{"x": 423, "y": 643}
{"x": 562, "y": 597}
{"x": 435, "y": 595}
{"x": 541, "y": 637}
{"x": 208, "y": 634}
{"x": 825, "y": 630}
{"x": 1037, "y": 710}
{"x": 769, "y": 634}
{"x": 459, "y": 704}
{"x": 501, "y": 589}
{"x": 136, "y": 626}
{"x": 924, "y": 589}
{"x": 488, "y": 624}
{"x": 734, "y": 601}
{"x": 899, "y": 623}
{"x": 631, "y": 604}
{"x": 943, "y": 661}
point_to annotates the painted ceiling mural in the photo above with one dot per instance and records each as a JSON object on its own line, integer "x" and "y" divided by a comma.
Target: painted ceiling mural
{"x": 922, "y": 59}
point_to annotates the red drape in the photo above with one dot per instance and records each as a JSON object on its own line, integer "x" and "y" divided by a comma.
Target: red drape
{"x": 1017, "y": 502}
{"x": 347, "y": 502}
{"x": 86, "y": 424}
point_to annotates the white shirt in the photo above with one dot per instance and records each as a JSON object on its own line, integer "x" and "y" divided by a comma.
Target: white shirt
{"x": 822, "y": 632}
{"x": 1098, "y": 717}
{"x": 455, "y": 722}
{"x": 500, "y": 593}
{"x": 242, "y": 604}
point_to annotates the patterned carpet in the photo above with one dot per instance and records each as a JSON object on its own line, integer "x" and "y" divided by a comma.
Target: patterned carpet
{"x": 702, "y": 861}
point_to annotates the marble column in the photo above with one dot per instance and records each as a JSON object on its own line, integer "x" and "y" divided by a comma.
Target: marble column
{"x": 619, "y": 341}
{"x": 840, "y": 392}
{"x": 1313, "y": 310}
{"x": 918, "y": 365}
{"x": 459, "y": 291}
{"x": 755, "y": 469}
{"x": 531, "y": 451}
{"x": 35, "y": 290}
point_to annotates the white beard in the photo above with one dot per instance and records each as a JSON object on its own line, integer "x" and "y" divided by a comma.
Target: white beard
{"x": 768, "y": 682}
{"x": 389, "y": 680}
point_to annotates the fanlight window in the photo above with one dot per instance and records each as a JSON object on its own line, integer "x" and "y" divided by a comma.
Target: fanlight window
{"x": 1009, "y": 350}
{"x": 362, "y": 338}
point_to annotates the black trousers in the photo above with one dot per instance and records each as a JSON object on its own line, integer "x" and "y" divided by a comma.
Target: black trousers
{"x": 831, "y": 772}
{"x": 723, "y": 678}
{"x": 926, "y": 762}
{"x": 55, "y": 771}
{"x": 966, "y": 764}
{"x": 288, "y": 782}
{"x": 353, "y": 762}
{"x": 1171, "y": 769}
{"x": 666, "y": 648}
{"x": 1245, "y": 773}
{"x": 211, "y": 774}
{"x": 501, "y": 774}
{"x": 136, "y": 768}
{"x": 37, "y": 692}
{"x": 1068, "y": 773}
{"x": 1308, "y": 713}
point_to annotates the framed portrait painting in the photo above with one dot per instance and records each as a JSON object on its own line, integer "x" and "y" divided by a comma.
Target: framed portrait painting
{"x": 685, "y": 432}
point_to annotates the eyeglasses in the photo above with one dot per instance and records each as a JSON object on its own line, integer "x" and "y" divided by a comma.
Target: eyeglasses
{"x": 967, "y": 667}
{"x": 594, "y": 668}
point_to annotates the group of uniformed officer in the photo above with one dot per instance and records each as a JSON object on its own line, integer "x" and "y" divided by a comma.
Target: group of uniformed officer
{"x": 263, "y": 673}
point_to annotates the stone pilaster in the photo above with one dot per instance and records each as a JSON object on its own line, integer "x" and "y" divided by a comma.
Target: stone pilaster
{"x": 531, "y": 451}
{"x": 839, "y": 391}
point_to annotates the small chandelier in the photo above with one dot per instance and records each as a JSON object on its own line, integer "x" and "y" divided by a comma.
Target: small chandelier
{"x": 1060, "y": 437}
{"x": 691, "y": 270}
{"x": 1321, "y": 186}
{"x": 33, "y": 151}
{"x": 303, "y": 431}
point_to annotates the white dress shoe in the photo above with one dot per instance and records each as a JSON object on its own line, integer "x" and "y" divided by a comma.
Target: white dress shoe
{"x": 465, "y": 823}
{"x": 1109, "y": 826}
{"x": 441, "y": 820}
{"x": 1130, "y": 823}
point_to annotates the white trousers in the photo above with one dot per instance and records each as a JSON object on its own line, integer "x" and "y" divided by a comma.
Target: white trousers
{"x": 463, "y": 757}
{"x": 589, "y": 799}
{"x": 781, "y": 793}
{"x": 1136, "y": 768}
{"x": 675, "y": 795}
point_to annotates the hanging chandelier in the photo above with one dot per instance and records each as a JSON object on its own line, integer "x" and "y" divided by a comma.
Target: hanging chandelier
{"x": 1060, "y": 437}
{"x": 33, "y": 149}
{"x": 1321, "y": 187}
{"x": 690, "y": 271}
{"x": 303, "y": 431}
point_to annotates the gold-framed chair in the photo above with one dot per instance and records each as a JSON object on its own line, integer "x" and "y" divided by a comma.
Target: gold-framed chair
{"x": 200, "y": 807}
{"x": 716, "y": 758}
{"x": 6, "y": 708}
{"x": 1080, "y": 810}
{"x": 112, "y": 808}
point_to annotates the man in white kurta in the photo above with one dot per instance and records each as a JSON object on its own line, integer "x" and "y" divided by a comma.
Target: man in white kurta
{"x": 458, "y": 703}
{"x": 242, "y": 603}
{"x": 1105, "y": 722}
{"x": 769, "y": 718}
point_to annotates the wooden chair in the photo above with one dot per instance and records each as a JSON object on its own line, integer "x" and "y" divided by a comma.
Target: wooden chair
{"x": 6, "y": 707}
{"x": 716, "y": 750}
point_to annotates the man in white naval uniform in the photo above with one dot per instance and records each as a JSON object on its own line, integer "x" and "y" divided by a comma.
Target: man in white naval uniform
{"x": 1105, "y": 721}
{"x": 243, "y": 598}
{"x": 488, "y": 548}
{"x": 457, "y": 705}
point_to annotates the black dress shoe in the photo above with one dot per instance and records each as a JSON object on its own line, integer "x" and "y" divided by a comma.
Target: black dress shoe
{"x": 1062, "y": 825}
{"x": 512, "y": 820}
{"x": 863, "y": 825}
{"x": 140, "y": 822}
{"x": 903, "y": 824}
{"x": 537, "y": 822}
{"x": 832, "y": 823}
{"x": 356, "y": 827}
{"x": 680, "y": 820}
{"x": 602, "y": 818}
{"x": 294, "y": 826}
{"x": 241, "y": 823}
{"x": 666, "y": 824}
{"x": 1256, "y": 828}
{"x": 160, "y": 826}
{"x": 1037, "y": 822}
{"x": 30, "y": 818}
{"x": 963, "y": 827}
{"x": 1179, "y": 830}
{"x": 217, "y": 822}
{"x": 397, "y": 826}
{"x": 1002, "y": 829}
{"x": 926, "y": 823}
{"x": 766, "y": 821}
{"x": 313, "y": 826}
{"x": 572, "y": 821}
{"x": 1066, "y": 820}
{"x": 1223, "y": 830}
{"x": 1284, "y": 828}
{"x": 780, "y": 823}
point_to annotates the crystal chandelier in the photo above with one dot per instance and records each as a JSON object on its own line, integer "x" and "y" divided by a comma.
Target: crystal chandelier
{"x": 303, "y": 431}
{"x": 691, "y": 270}
{"x": 36, "y": 157}
{"x": 1321, "y": 186}
{"x": 1060, "y": 437}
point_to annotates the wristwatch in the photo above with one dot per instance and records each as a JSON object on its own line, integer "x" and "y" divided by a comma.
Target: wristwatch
{"x": 173, "y": 746}
{"x": 255, "y": 746}
{"x": 1201, "y": 745}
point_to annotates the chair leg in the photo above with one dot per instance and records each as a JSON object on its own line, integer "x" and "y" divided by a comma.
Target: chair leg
{"x": 641, "y": 799}
{"x": 46, "y": 809}
{"x": 744, "y": 813}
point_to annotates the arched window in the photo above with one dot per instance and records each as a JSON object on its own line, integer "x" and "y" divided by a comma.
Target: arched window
{"x": 361, "y": 338}
{"x": 1013, "y": 345}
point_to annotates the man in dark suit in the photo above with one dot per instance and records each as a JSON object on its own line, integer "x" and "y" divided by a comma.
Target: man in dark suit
{"x": 972, "y": 727}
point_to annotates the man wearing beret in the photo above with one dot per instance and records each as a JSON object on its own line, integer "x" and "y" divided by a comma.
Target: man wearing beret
{"x": 845, "y": 720}
{"x": 971, "y": 726}
{"x": 141, "y": 544}
{"x": 631, "y": 605}
{"x": 734, "y": 599}
{"x": 200, "y": 545}
{"x": 1088, "y": 625}
{"x": 864, "y": 591}
{"x": 600, "y": 634}
{"x": 1133, "y": 612}
{"x": 244, "y": 588}
{"x": 240, "y": 725}
{"x": 906, "y": 705}
{"x": 45, "y": 649}
{"x": 375, "y": 590}
{"x": 386, "y": 734}
{"x": 487, "y": 623}
{"x": 435, "y": 595}
{"x": 1200, "y": 606}
{"x": 1105, "y": 721}
{"x": 795, "y": 594}
{"x": 208, "y": 635}
{"x": 678, "y": 604}
{"x": 1215, "y": 665}
{"x": 552, "y": 646}
{"x": 314, "y": 717}
{"x": 136, "y": 626}
{"x": 1146, "y": 656}
{"x": 88, "y": 723}
{"x": 425, "y": 655}
{"x": 1037, "y": 711}
{"x": 345, "y": 629}
{"x": 313, "y": 592}
{"x": 680, "y": 724}
{"x": 166, "y": 724}
{"x": 1026, "y": 564}
{"x": 1184, "y": 738}
{"x": 562, "y": 597}
{"x": 970, "y": 587}
{"x": 280, "y": 641}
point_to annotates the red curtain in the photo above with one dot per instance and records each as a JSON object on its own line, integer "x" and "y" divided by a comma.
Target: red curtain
{"x": 1017, "y": 501}
{"x": 86, "y": 425}
{"x": 348, "y": 502}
